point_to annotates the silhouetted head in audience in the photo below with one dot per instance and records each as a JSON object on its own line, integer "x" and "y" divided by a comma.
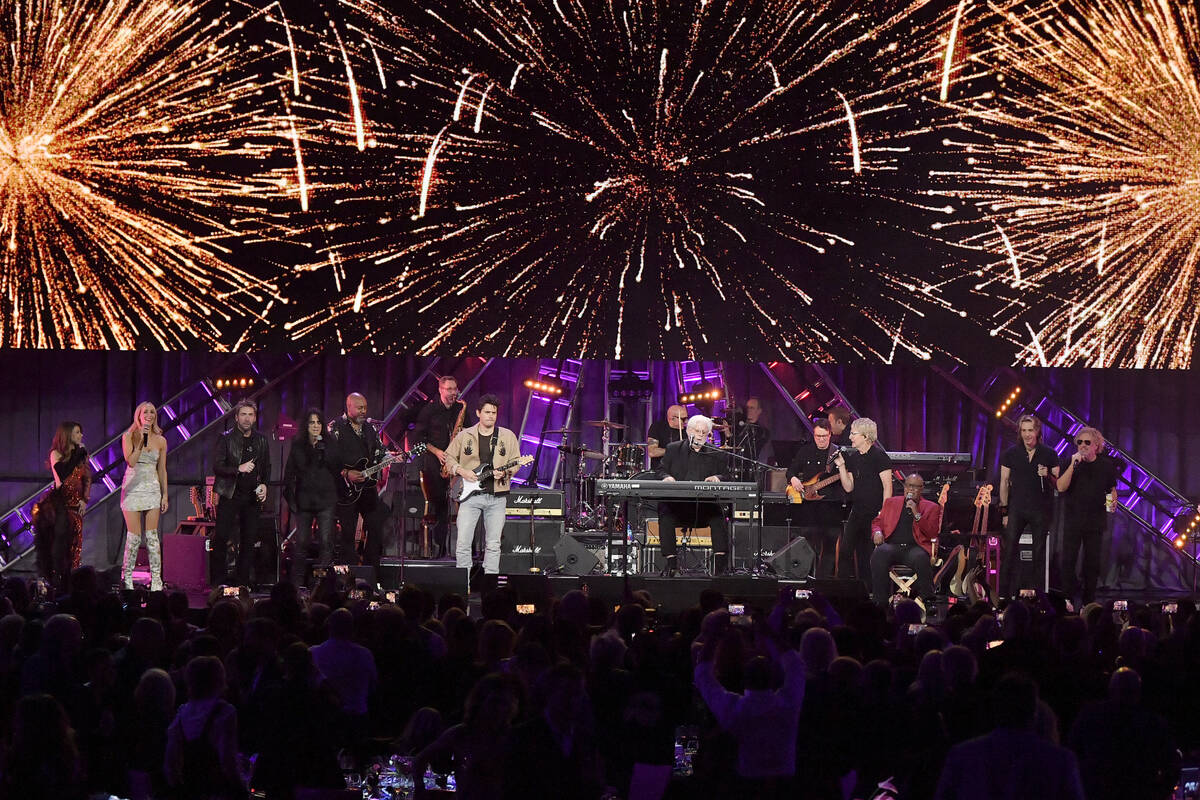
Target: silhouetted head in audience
{"x": 1125, "y": 687}
{"x": 205, "y": 678}
{"x": 341, "y": 624}
{"x": 817, "y": 650}
{"x": 758, "y": 675}
{"x": 1015, "y": 702}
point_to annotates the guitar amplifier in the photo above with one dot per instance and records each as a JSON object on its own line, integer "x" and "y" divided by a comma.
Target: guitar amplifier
{"x": 542, "y": 503}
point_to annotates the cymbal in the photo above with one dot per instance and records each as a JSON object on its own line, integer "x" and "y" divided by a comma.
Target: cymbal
{"x": 603, "y": 423}
{"x": 566, "y": 430}
{"x": 632, "y": 444}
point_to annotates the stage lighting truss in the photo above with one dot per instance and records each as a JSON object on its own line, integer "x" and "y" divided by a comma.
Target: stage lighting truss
{"x": 1008, "y": 401}
{"x": 545, "y": 386}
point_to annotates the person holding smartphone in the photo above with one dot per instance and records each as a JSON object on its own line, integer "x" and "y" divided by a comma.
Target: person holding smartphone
{"x": 1084, "y": 482}
{"x": 242, "y": 465}
{"x": 144, "y": 492}
{"x": 310, "y": 489}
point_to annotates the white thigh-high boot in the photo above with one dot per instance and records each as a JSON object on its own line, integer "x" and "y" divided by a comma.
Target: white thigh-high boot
{"x": 154, "y": 550}
{"x": 132, "y": 542}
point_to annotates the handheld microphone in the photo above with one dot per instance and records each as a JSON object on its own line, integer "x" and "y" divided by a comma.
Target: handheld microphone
{"x": 145, "y": 439}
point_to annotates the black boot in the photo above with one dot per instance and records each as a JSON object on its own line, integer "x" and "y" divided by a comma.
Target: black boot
{"x": 670, "y": 571}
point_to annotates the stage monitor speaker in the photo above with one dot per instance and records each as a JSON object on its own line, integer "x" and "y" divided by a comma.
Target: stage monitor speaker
{"x": 185, "y": 561}
{"x": 437, "y": 578}
{"x": 573, "y": 558}
{"x": 794, "y": 561}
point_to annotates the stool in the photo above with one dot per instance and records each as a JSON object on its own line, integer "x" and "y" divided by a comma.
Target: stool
{"x": 904, "y": 577}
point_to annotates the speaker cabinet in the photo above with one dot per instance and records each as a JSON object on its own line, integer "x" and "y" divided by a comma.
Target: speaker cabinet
{"x": 515, "y": 536}
{"x": 573, "y": 558}
{"x": 794, "y": 561}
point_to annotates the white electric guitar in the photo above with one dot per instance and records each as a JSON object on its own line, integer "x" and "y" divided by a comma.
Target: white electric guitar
{"x": 466, "y": 488}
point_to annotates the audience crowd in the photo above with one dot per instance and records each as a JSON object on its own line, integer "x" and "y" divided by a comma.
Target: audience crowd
{"x": 136, "y": 695}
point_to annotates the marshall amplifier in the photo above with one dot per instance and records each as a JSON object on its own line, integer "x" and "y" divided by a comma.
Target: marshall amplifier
{"x": 543, "y": 503}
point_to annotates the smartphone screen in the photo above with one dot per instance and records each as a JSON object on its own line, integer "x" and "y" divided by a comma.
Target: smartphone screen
{"x": 1028, "y": 594}
{"x": 1120, "y": 605}
{"x": 803, "y": 594}
{"x": 230, "y": 591}
{"x": 1170, "y": 608}
{"x": 341, "y": 569}
{"x": 915, "y": 628}
{"x": 526, "y": 608}
{"x": 737, "y": 609}
{"x": 389, "y": 596}
{"x": 373, "y": 605}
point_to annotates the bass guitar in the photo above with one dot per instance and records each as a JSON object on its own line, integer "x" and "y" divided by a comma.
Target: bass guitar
{"x": 811, "y": 489}
{"x": 466, "y": 488}
{"x": 349, "y": 492}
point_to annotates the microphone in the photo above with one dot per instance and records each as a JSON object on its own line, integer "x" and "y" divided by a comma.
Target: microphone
{"x": 145, "y": 439}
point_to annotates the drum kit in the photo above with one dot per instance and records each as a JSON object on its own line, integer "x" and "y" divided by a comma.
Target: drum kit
{"x": 624, "y": 460}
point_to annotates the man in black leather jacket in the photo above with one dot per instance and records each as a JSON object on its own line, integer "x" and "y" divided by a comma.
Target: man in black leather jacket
{"x": 242, "y": 466}
{"x": 358, "y": 446}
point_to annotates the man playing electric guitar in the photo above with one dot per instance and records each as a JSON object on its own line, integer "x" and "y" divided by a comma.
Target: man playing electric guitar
{"x": 357, "y": 447}
{"x": 812, "y": 467}
{"x": 468, "y": 457}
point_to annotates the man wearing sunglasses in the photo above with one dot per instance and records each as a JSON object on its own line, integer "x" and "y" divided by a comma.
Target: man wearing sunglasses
{"x": 1084, "y": 482}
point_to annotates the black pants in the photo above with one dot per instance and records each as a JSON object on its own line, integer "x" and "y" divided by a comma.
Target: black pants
{"x": 374, "y": 512}
{"x": 854, "y": 546}
{"x": 436, "y": 490}
{"x": 824, "y": 539}
{"x": 1089, "y": 538}
{"x": 694, "y": 515}
{"x": 1018, "y": 520}
{"x": 912, "y": 556}
{"x": 237, "y": 518}
{"x": 53, "y": 533}
{"x": 304, "y": 524}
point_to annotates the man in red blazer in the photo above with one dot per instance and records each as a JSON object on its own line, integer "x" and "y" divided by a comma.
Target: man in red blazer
{"x": 903, "y": 533}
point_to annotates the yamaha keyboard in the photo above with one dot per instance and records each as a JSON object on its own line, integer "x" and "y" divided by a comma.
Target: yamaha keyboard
{"x": 678, "y": 490}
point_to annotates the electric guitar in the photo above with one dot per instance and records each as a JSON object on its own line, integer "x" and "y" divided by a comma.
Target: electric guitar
{"x": 975, "y": 583}
{"x": 349, "y": 492}
{"x": 811, "y": 488}
{"x": 466, "y": 488}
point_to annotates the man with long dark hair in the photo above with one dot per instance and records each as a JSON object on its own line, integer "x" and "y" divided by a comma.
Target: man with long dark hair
{"x": 242, "y": 465}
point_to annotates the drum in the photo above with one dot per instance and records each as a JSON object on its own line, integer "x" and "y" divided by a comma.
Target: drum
{"x": 624, "y": 460}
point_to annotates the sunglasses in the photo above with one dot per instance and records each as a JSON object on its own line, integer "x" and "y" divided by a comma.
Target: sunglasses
{"x": 1083, "y": 441}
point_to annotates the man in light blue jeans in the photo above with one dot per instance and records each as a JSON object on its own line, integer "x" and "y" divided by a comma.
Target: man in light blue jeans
{"x": 491, "y": 508}
{"x": 483, "y": 459}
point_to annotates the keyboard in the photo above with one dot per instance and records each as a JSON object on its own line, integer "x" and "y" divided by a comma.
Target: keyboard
{"x": 678, "y": 490}
{"x": 899, "y": 457}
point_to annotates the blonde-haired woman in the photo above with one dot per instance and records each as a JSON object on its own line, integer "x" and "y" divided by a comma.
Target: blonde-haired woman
{"x": 144, "y": 492}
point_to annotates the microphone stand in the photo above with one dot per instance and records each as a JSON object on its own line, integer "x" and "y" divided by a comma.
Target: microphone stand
{"x": 758, "y": 570}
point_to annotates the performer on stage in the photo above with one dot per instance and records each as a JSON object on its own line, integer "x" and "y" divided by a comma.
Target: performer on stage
{"x": 58, "y": 516}
{"x": 144, "y": 492}
{"x": 812, "y": 464}
{"x": 1084, "y": 482}
{"x": 839, "y": 424}
{"x": 693, "y": 460}
{"x": 310, "y": 488}
{"x": 358, "y": 446}
{"x": 1028, "y": 472}
{"x": 480, "y": 444}
{"x": 437, "y": 424}
{"x": 903, "y": 533}
{"x": 242, "y": 466}
{"x": 866, "y": 476}
{"x": 749, "y": 435}
{"x": 663, "y": 432}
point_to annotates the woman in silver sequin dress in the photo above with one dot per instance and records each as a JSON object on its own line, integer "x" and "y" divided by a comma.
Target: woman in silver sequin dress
{"x": 144, "y": 492}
